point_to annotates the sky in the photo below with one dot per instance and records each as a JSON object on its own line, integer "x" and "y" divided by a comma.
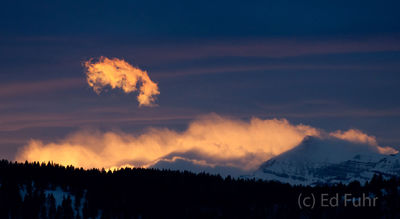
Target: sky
{"x": 330, "y": 65}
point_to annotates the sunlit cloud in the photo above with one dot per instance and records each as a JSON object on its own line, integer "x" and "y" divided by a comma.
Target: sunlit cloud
{"x": 118, "y": 73}
{"x": 357, "y": 136}
{"x": 216, "y": 140}
{"x": 210, "y": 141}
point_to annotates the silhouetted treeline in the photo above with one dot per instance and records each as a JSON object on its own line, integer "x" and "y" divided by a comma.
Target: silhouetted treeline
{"x": 33, "y": 190}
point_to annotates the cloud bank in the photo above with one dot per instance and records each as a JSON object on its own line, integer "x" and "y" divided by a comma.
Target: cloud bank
{"x": 211, "y": 142}
{"x": 118, "y": 73}
{"x": 214, "y": 139}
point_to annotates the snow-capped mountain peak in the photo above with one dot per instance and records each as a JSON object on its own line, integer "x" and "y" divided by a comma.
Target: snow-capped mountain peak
{"x": 331, "y": 160}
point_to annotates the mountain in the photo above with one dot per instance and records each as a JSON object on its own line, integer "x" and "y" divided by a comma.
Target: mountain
{"x": 328, "y": 161}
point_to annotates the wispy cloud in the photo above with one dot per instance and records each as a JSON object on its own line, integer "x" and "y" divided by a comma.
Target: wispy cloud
{"x": 324, "y": 109}
{"x": 93, "y": 116}
{"x": 29, "y": 88}
{"x": 247, "y": 68}
{"x": 273, "y": 48}
{"x": 152, "y": 52}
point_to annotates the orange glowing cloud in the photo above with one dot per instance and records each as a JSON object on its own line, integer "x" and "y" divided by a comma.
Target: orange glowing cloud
{"x": 357, "y": 136}
{"x": 209, "y": 141}
{"x": 118, "y": 73}
{"x": 219, "y": 141}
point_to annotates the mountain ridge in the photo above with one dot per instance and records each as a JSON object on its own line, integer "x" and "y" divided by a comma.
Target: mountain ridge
{"x": 328, "y": 161}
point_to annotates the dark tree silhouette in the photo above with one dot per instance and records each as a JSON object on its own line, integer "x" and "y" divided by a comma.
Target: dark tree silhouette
{"x": 31, "y": 190}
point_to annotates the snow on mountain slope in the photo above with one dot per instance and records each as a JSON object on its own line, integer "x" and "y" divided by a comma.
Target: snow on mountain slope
{"x": 389, "y": 165}
{"x": 330, "y": 160}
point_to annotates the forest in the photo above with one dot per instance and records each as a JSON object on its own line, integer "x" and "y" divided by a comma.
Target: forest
{"x": 48, "y": 190}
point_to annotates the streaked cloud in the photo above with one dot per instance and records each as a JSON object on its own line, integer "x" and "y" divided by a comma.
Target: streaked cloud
{"x": 234, "y": 68}
{"x": 35, "y": 87}
{"x": 267, "y": 48}
{"x": 19, "y": 121}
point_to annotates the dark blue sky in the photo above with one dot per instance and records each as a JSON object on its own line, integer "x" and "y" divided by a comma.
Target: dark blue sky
{"x": 329, "y": 64}
{"x": 200, "y": 19}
